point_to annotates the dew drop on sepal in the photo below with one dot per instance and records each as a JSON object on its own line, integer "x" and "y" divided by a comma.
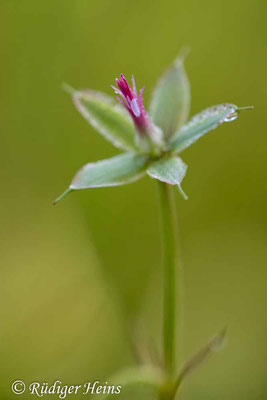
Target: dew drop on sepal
{"x": 231, "y": 117}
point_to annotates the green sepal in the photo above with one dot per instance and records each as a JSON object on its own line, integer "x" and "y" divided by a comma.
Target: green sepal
{"x": 170, "y": 101}
{"x": 107, "y": 117}
{"x": 169, "y": 169}
{"x": 200, "y": 124}
{"x": 119, "y": 170}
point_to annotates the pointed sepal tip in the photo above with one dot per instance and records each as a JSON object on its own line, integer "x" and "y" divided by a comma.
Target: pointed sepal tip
{"x": 68, "y": 89}
{"x": 244, "y": 108}
{"x": 62, "y": 196}
{"x": 182, "y": 192}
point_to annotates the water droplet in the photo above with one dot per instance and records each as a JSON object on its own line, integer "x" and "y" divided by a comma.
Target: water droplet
{"x": 231, "y": 117}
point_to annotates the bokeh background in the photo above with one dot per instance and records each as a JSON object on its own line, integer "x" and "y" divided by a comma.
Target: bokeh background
{"x": 77, "y": 280}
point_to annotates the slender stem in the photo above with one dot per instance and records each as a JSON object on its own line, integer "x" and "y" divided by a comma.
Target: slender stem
{"x": 168, "y": 219}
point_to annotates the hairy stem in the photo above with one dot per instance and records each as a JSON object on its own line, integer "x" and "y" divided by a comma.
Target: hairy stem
{"x": 168, "y": 225}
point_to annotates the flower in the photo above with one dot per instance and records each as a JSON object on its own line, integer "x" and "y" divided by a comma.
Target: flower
{"x": 153, "y": 141}
{"x": 133, "y": 102}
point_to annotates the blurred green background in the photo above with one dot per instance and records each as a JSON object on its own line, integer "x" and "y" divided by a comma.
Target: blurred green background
{"x": 71, "y": 275}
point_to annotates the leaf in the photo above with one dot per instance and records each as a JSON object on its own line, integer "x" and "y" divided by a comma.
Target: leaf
{"x": 146, "y": 376}
{"x": 215, "y": 344}
{"x": 107, "y": 117}
{"x": 202, "y": 123}
{"x": 170, "y": 102}
{"x": 170, "y": 169}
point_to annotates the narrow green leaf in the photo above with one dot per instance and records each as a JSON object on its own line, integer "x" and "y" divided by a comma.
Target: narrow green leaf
{"x": 215, "y": 344}
{"x": 107, "y": 117}
{"x": 144, "y": 376}
{"x": 170, "y": 169}
{"x": 114, "y": 171}
{"x": 170, "y": 102}
{"x": 202, "y": 123}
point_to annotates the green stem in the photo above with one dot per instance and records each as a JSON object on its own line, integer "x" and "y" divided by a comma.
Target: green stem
{"x": 168, "y": 225}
